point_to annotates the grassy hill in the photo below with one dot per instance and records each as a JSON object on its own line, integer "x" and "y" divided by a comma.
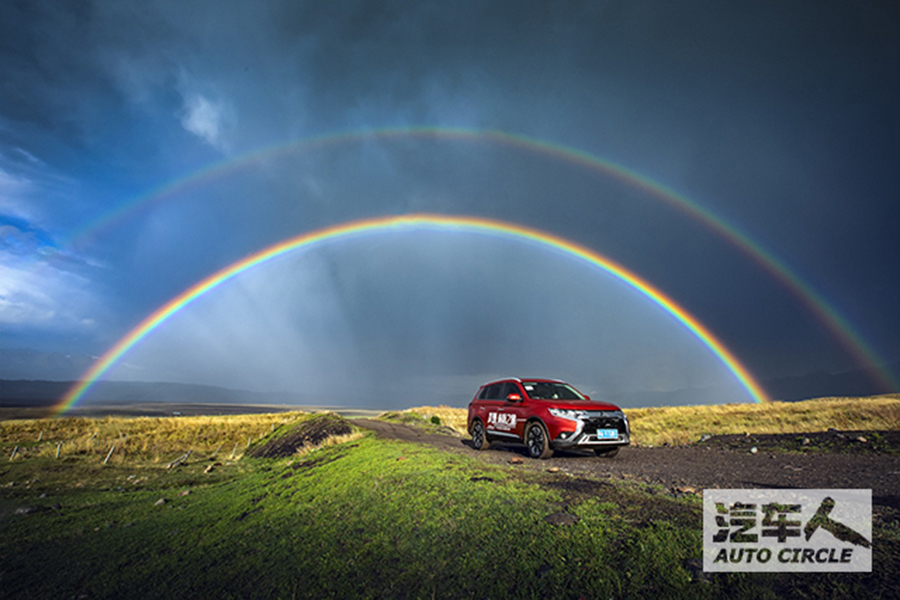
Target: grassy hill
{"x": 350, "y": 515}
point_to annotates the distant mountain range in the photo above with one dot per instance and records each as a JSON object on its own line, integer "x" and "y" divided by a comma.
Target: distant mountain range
{"x": 43, "y": 393}
{"x": 860, "y": 382}
{"x": 32, "y": 378}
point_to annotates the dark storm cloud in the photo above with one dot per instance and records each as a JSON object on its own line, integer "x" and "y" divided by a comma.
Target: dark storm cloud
{"x": 782, "y": 120}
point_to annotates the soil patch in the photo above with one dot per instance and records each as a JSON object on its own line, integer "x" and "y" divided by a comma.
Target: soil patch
{"x": 310, "y": 432}
{"x": 575, "y": 489}
{"x": 833, "y": 440}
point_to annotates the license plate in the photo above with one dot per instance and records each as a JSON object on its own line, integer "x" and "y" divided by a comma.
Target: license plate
{"x": 607, "y": 434}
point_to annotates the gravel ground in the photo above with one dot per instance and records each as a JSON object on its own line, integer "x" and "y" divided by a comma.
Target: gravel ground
{"x": 831, "y": 460}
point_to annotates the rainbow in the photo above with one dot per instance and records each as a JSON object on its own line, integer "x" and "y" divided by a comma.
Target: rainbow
{"x": 399, "y": 224}
{"x": 836, "y": 324}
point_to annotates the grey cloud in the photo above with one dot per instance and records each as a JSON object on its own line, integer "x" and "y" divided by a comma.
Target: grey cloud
{"x": 782, "y": 120}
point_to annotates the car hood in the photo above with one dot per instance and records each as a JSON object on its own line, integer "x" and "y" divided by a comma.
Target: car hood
{"x": 579, "y": 404}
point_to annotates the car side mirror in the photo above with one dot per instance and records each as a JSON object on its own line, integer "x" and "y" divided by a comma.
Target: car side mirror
{"x": 514, "y": 398}
{"x": 586, "y": 397}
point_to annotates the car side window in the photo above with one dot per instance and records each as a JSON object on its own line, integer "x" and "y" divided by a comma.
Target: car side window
{"x": 510, "y": 388}
{"x": 484, "y": 392}
{"x": 494, "y": 392}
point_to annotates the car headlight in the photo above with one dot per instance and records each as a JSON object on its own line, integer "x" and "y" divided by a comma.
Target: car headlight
{"x": 565, "y": 413}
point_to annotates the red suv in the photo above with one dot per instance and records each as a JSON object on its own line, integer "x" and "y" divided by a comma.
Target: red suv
{"x": 545, "y": 414}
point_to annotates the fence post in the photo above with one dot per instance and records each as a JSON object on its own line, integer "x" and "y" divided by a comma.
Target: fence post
{"x": 58, "y": 448}
{"x": 111, "y": 450}
{"x": 179, "y": 460}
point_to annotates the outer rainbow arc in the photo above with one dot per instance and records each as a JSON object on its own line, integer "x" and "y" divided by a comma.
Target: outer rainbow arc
{"x": 475, "y": 224}
{"x": 864, "y": 355}
{"x": 837, "y": 324}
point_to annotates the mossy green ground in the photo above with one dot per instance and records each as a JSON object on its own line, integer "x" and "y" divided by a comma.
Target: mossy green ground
{"x": 368, "y": 518}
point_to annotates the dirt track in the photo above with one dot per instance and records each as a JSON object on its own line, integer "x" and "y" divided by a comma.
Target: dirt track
{"x": 701, "y": 466}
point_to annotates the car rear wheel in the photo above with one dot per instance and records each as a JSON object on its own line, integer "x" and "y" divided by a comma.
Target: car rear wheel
{"x": 536, "y": 440}
{"x": 606, "y": 452}
{"x": 479, "y": 436}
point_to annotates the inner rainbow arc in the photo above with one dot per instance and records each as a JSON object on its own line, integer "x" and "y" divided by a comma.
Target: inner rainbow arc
{"x": 462, "y": 223}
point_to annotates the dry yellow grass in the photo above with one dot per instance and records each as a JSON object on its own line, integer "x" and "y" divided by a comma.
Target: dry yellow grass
{"x": 682, "y": 424}
{"x": 145, "y": 438}
{"x": 333, "y": 440}
{"x": 451, "y": 417}
{"x": 159, "y": 439}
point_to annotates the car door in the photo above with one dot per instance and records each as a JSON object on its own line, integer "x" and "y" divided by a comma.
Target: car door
{"x": 491, "y": 406}
{"x": 516, "y": 410}
{"x": 501, "y": 422}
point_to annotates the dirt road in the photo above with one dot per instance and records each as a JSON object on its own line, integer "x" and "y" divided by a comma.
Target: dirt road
{"x": 710, "y": 465}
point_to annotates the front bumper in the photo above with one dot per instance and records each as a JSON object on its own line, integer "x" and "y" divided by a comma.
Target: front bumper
{"x": 587, "y": 424}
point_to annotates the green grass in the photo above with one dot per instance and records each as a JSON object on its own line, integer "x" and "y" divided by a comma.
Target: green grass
{"x": 370, "y": 518}
{"x": 366, "y": 518}
{"x": 430, "y": 424}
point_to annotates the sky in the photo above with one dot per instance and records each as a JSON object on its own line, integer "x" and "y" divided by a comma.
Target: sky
{"x": 743, "y": 158}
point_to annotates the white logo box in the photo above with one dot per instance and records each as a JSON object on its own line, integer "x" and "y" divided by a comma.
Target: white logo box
{"x": 783, "y": 530}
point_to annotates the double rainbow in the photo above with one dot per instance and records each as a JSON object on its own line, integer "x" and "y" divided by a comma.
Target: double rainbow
{"x": 840, "y": 328}
{"x": 400, "y": 224}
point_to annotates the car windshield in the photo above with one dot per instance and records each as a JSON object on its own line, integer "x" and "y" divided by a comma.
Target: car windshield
{"x": 545, "y": 390}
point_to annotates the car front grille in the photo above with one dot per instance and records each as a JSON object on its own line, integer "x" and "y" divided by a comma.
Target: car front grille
{"x": 604, "y": 420}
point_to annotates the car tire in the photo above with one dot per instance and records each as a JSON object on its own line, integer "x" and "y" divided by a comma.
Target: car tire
{"x": 479, "y": 436}
{"x": 606, "y": 452}
{"x": 537, "y": 441}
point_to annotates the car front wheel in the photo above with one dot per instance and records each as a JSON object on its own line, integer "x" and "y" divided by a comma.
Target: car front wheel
{"x": 479, "y": 436}
{"x": 537, "y": 442}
